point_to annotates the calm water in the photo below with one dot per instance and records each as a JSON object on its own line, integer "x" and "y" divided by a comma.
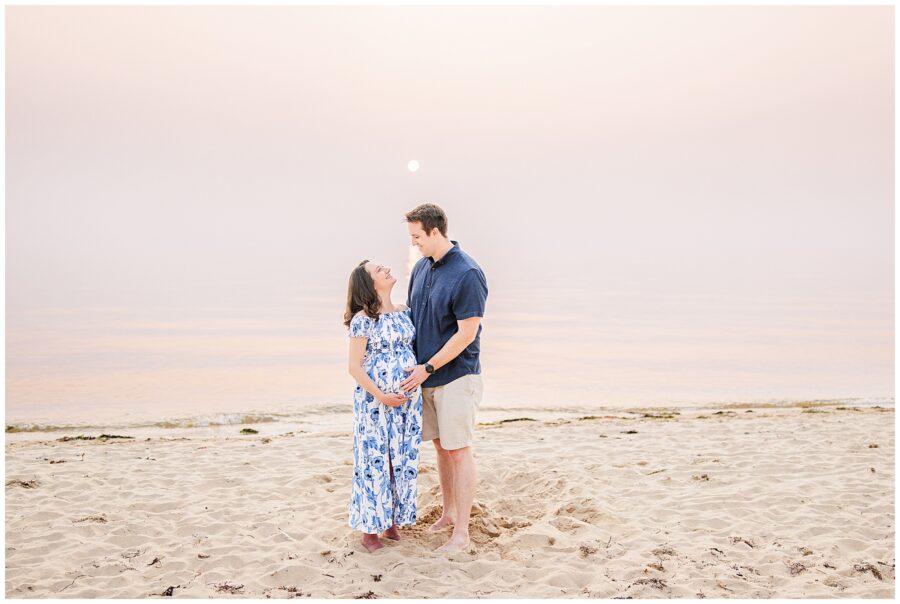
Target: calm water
{"x": 556, "y": 350}
{"x": 179, "y": 237}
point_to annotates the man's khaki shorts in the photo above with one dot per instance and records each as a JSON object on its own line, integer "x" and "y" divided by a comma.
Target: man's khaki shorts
{"x": 448, "y": 411}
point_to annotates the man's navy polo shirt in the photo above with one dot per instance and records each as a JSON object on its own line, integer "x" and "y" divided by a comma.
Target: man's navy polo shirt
{"x": 440, "y": 294}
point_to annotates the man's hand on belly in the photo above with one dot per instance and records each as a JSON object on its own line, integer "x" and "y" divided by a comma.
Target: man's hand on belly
{"x": 417, "y": 375}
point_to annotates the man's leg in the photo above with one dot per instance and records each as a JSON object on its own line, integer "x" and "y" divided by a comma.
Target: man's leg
{"x": 464, "y": 480}
{"x": 446, "y": 473}
{"x": 456, "y": 405}
{"x": 430, "y": 431}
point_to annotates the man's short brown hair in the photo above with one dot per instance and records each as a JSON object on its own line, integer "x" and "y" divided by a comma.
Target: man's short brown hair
{"x": 431, "y": 216}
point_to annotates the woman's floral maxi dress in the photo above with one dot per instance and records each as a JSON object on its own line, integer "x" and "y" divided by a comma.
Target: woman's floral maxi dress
{"x": 385, "y": 439}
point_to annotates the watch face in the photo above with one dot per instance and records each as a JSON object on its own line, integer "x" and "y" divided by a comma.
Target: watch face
{"x": 429, "y": 368}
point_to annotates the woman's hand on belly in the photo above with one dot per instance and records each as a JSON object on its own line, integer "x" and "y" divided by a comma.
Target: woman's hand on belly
{"x": 392, "y": 400}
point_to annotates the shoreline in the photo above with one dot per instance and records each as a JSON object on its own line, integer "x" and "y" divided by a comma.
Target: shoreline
{"x": 322, "y": 417}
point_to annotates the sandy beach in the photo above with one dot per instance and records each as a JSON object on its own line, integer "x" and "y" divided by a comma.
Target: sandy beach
{"x": 794, "y": 502}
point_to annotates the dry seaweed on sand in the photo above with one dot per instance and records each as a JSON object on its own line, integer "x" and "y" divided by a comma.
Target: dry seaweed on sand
{"x": 99, "y": 519}
{"x": 587, "y": 550}
{"x": 292, "y": 592}
{"x": 102, "y": 437}
{"x": 652, "y": 582}
{"x": 226, "y": 587}
{"x": 249, "y": 431}
{"x": 507, "y": 421}
{"x": 809, "y": 404}
{"x": 738, "y": 568}
{"x": 868, "y": 568}
{"x": 795, "y": 567}
{"x": 25, "y": 484}
{"x": 369, "y": 595}
{"x": 133, "y": 553}
{"x": 667, "y": 415}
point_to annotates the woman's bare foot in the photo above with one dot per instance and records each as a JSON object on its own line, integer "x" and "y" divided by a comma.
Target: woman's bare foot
{"x": 371, "y": 542}
{"x": 392, "y": 533}
{"x": 442, "y": 523}
{"x": 457, "y": 543}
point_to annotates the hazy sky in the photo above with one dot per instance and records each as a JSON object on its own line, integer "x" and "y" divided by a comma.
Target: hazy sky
{"x": 228, "y": 154}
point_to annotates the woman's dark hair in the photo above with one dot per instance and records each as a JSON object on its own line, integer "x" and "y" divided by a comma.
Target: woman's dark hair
{"x": 361, "y": 294}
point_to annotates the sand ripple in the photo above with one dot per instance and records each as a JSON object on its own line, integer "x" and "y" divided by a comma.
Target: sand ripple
{"x": 775, "y": 504}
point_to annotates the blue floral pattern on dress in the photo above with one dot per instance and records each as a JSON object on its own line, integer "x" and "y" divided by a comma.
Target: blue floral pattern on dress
{"x": 385, "y": 438}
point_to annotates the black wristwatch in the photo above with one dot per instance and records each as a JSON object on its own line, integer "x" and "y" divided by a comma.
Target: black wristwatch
{"x": 429, "y": 368}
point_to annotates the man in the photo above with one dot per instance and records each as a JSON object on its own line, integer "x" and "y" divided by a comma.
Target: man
{"x": 447, "y": 295}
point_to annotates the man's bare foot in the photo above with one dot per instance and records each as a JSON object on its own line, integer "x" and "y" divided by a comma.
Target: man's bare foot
{"x": 392, "y": 533}
{"x": 456, "y": 544}
{"x": 371, "y": 542}
{"x": 442, "y": 523}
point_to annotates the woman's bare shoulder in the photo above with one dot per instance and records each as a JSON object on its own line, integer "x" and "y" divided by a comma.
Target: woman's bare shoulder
{"x": 402, "y": 307}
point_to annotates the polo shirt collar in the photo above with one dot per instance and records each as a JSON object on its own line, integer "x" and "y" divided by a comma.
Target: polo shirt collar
{"x": 451, "y": 252}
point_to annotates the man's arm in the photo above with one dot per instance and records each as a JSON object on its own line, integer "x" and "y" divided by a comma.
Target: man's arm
{"x": 467, "y": 329}
{"x": 468, "y": 308}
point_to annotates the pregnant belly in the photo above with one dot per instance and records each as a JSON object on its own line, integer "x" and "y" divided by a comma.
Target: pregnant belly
{"x": 388, "y": 371}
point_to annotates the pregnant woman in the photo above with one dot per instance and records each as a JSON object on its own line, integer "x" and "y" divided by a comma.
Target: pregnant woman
{"x": 387, "y": 424}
